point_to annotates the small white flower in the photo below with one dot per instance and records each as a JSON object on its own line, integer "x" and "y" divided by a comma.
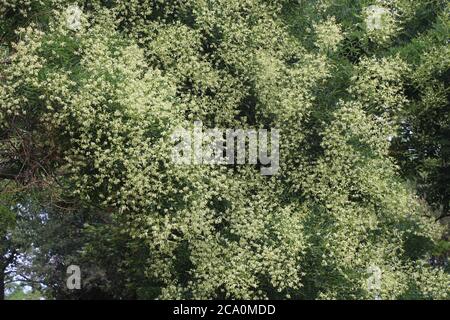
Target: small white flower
{"x": 375, "y": 16}
{"x": 73, "y": 18}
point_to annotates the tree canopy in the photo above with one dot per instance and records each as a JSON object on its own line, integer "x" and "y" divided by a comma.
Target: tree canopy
{"x": 91, "y": 91}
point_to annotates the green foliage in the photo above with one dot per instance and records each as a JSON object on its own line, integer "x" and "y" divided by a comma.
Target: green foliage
{"x": 17, "y": 292}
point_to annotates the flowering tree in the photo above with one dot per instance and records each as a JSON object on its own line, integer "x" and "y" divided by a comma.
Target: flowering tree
{"x": 91, "y": 92}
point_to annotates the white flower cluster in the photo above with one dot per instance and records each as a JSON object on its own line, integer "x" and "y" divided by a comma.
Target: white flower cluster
{"x": 329, "y": 34}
